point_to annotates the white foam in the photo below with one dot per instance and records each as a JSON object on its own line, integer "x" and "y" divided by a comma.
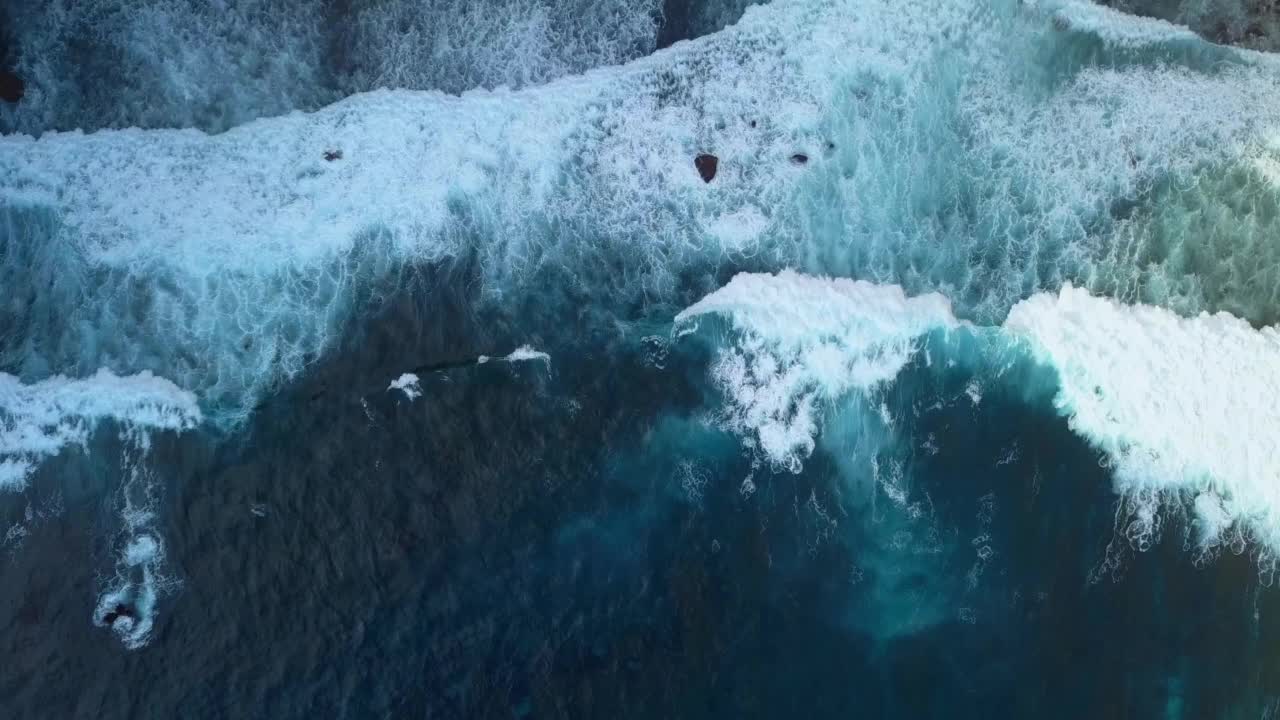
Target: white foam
{"x": 407, "y": 384}
{"x": 228, "y": 263}
{"x": 1184, "y": 408}
{"x": 526, "y": 353}
{"x": 13, "y": 474}
{"x": 1214, "y": 519}
{"x": 140, "y": 597}
{"x": 523, "y": 353}
{"x": 739, "y": 228}
{"x": 160, "y": 63}
{"x": 139, "y": 569}
{"x": 38, "y": 420}
{"x": 454, "y": 45}
{"x": 1185, "y": 405}
{"x": 141, "y": 550}
{"x": 806, "y": 341}
{"x": 1240, "y": 22}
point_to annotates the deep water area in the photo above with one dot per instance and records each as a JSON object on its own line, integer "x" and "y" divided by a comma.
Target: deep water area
{"x": 569, "y": 539}
{"x": 548, "y": 359}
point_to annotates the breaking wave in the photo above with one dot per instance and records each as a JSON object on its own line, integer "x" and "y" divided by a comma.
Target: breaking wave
{"x": 1056, "y": 196}
{"x": 38, "y": 420}
{"x": 1181, "y": 408}
{"x": 94, "y": 64}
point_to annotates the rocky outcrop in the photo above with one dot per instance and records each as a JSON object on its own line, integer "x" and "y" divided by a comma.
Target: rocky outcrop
{"x": 707, "y": 165}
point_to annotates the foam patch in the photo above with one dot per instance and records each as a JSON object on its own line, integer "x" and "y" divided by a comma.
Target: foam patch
{"x": 38, "y": 420}
{"x": 938, "y": 162}
{"x": 1182, "y": 407}
{"x": 805, "y": 342}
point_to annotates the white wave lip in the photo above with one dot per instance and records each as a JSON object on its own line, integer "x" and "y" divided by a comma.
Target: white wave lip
{"x": 136, "y": 586}
{"x": 805, "y": 340}
{"x": 526, "y": 353}
{"x": 39, "y": 419}
{"x": 1179, "y": 404}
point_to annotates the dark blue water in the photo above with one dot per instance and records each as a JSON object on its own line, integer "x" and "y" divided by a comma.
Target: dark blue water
{"x": 575, "y": 542}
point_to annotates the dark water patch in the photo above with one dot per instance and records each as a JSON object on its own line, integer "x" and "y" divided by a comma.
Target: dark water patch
{"x": 1253, "y": 24}
{"x": 1038, "y": 630}
{"x": 576, "y": 539}
{"x": 689, "y": 19}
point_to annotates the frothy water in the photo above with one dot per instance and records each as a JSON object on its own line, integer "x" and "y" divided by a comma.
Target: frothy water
{"x": 178, "y": 63}
{"x": 1132, "y": 380}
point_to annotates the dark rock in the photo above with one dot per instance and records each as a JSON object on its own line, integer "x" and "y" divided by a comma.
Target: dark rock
{"x": 332, "y": 155}
{"x": 121, "y": 611}
{"x": 11, "y": 87}
{"x": 707, "y": 166}
{"x": 799, "y": 158}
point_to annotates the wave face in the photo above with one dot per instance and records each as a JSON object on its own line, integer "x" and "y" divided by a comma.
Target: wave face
{"x": 42, "y": 418}
{"x": 590, "y": 358}
{"x": 1132, "y": 380}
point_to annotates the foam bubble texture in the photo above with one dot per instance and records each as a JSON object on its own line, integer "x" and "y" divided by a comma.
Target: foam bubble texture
{"x": 455, "y": 45}
{"x": 1184, "y": 408}
{"x": 938, "y": 160}
{"x": 803, "y": 343}
{"x": 407, "y": 383}
{"x": 230, "y": 262}
{"x": 1179, "y": 404}
{"x": 182, "y": 63}
{"x": 164, "y": 63}
{"x": 37, "y": 420}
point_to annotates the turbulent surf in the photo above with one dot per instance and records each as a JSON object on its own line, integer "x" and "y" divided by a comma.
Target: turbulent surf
{"x": 547, "y": 358}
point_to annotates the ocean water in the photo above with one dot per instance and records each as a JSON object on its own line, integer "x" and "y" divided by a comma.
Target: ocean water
{"x": 94, "y": 64}
{"x": 382, "y": 360}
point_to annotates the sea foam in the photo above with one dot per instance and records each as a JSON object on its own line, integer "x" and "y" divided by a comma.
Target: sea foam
{"x": 1180, "y": 404}
{"x": 804, "y": 342}
{"x": 38, "y": 420}
{"x": 937, "y": 161}
{"x": 1183, "y": 408}
{"x": 407, "y": 383}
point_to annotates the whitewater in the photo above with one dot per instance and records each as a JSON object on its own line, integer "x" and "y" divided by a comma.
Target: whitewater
{"x": 923, "y": 218}
{"x": 226, "y": 263}
{"x": 1130, "y": 379}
